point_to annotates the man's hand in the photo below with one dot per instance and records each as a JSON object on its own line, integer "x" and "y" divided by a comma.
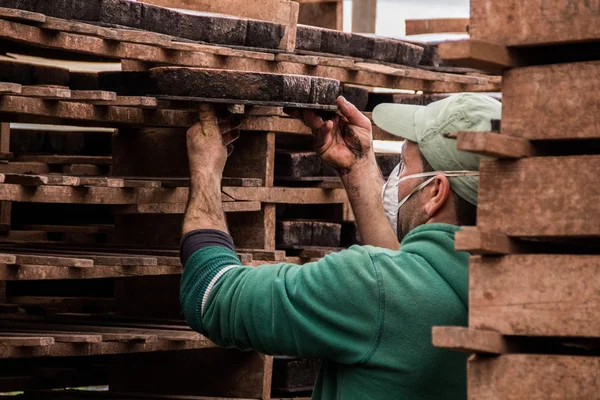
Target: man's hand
{"x": 342, "y": 142}
{"x": 209, "y": 141}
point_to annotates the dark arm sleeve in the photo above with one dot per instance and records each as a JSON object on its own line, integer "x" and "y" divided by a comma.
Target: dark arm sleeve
{"x": 201, "y": 238}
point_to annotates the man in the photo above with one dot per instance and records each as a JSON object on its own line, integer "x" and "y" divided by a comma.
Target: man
{"x": 366, "y": 311}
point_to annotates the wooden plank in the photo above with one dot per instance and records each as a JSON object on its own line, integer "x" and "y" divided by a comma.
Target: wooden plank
{"x": 287, "y": 195}
{"x": 538, "y": 93}
{"x": 32, "y": 168}
{"x": 540, "y": 197}
{"x": 58, "y": 338}
{"x": 478, "y": 54}
{"x": 89, "y": 229}
{"x": 10, "y": 88}
{"x": 80, "y": 169}
{"x": 436, "y": 25}
{"x": 222, "y": 51}
{"x": 492, "y": 144}
{"x": 179, "y": 208}
{"x": 46, "y": 92}
{"x": 364, "y": 16}
{"x": 308, "y": 233}
{"x": 25, "y": 180}
{"x": 533, "y": 377}
{"x": 129, "y": 101}
{"x": 536, "y": 295}
{"x": 26, "y": 272}
{"x": 476, "y": 242}
{"x": 470, "y": 340}
{"x": 25, "y": 341}
{"x": 12, "y": 13}
{"x": 518, "y": 23}
{"x": 27, "y": 259}
{"x": 93, "y": 95}
{"x": 63, "y": 160}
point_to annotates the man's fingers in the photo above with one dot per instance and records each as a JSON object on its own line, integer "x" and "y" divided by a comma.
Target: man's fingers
{"x": 208, "y": 120}
{"x": 324, "y": 137}
{"x": 312, "y": 120}
{"x": 352, "y": 114}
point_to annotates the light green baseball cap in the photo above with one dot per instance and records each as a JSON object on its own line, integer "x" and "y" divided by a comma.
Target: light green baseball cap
{"x": 428, "y": 126}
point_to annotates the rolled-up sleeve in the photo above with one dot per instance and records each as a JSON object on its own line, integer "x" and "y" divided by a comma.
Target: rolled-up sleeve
{"x": 332, "y": 308}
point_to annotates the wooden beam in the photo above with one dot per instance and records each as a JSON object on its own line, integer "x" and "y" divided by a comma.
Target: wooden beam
{"x": 536, "y": 295}
{"x": 470, "y": 340}
{"x": 518, "y": 23}
{"x": 478, "y": 54}
{"x": 364, "y": 16}
{"x": 551, "y": 197}
{"x": 436, "y": 25}
{"x": 24, "y": 341}
{"x": 492, "y": 144}
{"x": 476, "y": 242}
{"x": 533, "y": 377}
{"x": 537, "y": 94}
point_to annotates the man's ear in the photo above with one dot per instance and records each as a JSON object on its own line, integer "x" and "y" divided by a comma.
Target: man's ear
{"x": 436, "y": 195}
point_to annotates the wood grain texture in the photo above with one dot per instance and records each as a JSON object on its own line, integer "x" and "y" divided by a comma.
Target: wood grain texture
{"x": 492, "y": 144}
{"x": 534, "y": 22}
{"x": 536, "y": 295}
{"x": 469, "y": 340}
{"x": 533, "y": 377}
{"x": 436, "y": 25}
{"x": 534, "y": 106}
{"x": 540, "y": 197}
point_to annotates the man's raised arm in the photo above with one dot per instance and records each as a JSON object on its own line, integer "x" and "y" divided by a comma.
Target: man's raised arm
{"x": 345, "y": 143}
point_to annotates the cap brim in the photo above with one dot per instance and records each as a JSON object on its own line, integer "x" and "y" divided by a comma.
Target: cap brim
{"x": 397, "y": 119}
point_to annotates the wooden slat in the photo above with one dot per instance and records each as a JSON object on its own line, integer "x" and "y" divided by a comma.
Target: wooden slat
{"x": 535, "y": 22}
{"x": 533, "y": 377}
{"x": 25, "y": 341}
{"x": 540, "y": 197}
{"x": 179, "y": 208}
{"x": 469, "y": 340}
{"x": 436, "y": 25}
{"x": 12, "y": 13}
{"x": 534, "y": 105}
{"x": 492, "y": 144}
{"x": 26, "y": 259}
{"x": 536, "y": 295}
{"x": 93, "y": 95}
{"x": 58, "y": 338}
{"x": 34, "y": 168}
{"x": 60, "y": 159}
{"x": 90, "y": 229}
{"x": 478, "y": 54}
{"x": 10, "y": 88}
{"x": 130, "y": 101}
{"x": 46, "y": 92}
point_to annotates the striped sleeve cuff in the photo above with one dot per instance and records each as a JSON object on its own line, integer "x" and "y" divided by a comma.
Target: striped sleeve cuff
{"x": 201, "y": 273}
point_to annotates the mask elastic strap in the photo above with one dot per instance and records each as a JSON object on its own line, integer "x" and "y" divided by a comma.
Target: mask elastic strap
{"x": 433, "y": 174}
{"x": 415, "y": 190}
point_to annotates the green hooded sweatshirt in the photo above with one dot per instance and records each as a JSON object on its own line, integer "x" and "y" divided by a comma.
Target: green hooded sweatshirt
{"x": 366, "y": 311}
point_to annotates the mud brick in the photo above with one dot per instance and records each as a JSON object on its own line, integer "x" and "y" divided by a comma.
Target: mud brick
{"x": 409, "y": 54}
{"x": 336, "y": 42}
{"x": 356, "y": 95}
{"x": 264, "y": 34}
{"x": 27, "y": 5}
{"x": 230, "y": 31}
{"x": 291, "y": 373}
{"x": 385, "y": 50}
{"x": 297, "y": 164}
{"x": 324, "y": 91}
{"x": 162, "y": 20}
{"x": 387, "y": 162}
{"x": 211, "y": 83}
{"x": 294, "y": 233}
{"x": 120, "y": 12}
{"x": 194, "y": 27}
{"x": 430, "y": 57}
{"x": 308, "y": 38}
{"x": 84, "y": 10}
{"x": 362, "y": 46}
{"x": 326, "y": 234}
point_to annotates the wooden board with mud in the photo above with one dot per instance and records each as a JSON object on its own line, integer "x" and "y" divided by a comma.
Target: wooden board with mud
{"x": 209, "y": 28}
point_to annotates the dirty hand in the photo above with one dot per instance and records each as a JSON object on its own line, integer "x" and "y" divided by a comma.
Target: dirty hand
{"x": 209, "y": 141}
{"x": 342, "y": 142}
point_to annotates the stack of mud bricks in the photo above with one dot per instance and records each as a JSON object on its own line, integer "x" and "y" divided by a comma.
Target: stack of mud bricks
{"x": 534, "y": 290}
